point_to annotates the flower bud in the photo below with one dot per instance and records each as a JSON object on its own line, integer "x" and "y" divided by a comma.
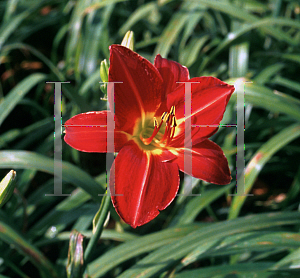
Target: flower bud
{"x": 104, "y": 77}
{"x": 7, "y": 187}
{"x": 128, "y": 40}
{"x": 75, "y": 265}
{"x": 104, "y": 71}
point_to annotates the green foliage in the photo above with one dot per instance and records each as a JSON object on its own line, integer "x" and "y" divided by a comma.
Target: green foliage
{"x": 253, "y": 40}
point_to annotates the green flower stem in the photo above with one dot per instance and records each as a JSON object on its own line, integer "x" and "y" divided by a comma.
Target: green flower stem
{"x": 105, "y": 204}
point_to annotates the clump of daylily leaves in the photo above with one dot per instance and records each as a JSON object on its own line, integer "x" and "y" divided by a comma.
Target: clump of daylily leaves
{"x": 149, "y": 133}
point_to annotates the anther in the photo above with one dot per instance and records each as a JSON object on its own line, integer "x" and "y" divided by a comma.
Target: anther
{"x": 168, "y": 118}
{"x": 172, "y": 111}
{"x": 172, "y": 133}
{"x": 173, "y": 124}
{"x": 164, "y": 115}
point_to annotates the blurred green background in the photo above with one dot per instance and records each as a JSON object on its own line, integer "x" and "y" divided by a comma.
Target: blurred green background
{"x": 212, "y": 235}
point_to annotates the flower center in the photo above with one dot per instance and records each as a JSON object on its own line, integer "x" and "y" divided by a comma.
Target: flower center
{"x": 169, "y": 121}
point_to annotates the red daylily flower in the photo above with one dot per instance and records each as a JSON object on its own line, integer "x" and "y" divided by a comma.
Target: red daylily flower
{"x": 149, "y": 132}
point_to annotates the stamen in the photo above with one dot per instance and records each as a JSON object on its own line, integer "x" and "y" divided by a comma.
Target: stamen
{"x": 147, "y": 141}
{"x": 172, "y": 131}
{"x": 165, "y": 134}
{"x": 155, "y": 122}
{"x": 164, "y": 115}
{"x": 168, "y": 140}
{"x": 170, "y": 121}
{"x": 169, "y": 117}
{"x": 172, "y": 134}
{"x": 172, "y": 111}
{"x": 174, "y": 124}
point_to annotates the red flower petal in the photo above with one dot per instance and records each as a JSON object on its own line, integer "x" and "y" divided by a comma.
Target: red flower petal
{"x": 198, "y": 134}
{"x": 140, "y": 91}
{"x": 147, "y": 185}
{"x": 171, "y": 73}
{"x": 209, "y": 99}
{"x": 208, "y": 163}
{"x": 87, "y": 132}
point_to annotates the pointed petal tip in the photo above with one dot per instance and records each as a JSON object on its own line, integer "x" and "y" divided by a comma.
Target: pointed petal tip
{"x": 157, "y": 57}
{"x": 171, "y": 72}
{"x": 87, "y": 132}
{"x": 226, "y": 179}
{"x": 140, "y": 89}
{"x": 208, "y": 163}
{"x": 114, "y": 46}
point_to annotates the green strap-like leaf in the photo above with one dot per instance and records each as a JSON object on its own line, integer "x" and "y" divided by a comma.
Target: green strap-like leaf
{"x": 70, "y": 173}
{"x": 242, "y": 14}
{"x": 10, "y": 236}
{"x": 224, "y": 270}
{"x": 175, "y": 26}
{"x": 137, "y": 247}
{"x": 197, "y": 243}
{"x": 291, "y": 261}
{"x": 277, "y": 102}
{"x": 261, "y": 157}
{"x": 17, "y": 93}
